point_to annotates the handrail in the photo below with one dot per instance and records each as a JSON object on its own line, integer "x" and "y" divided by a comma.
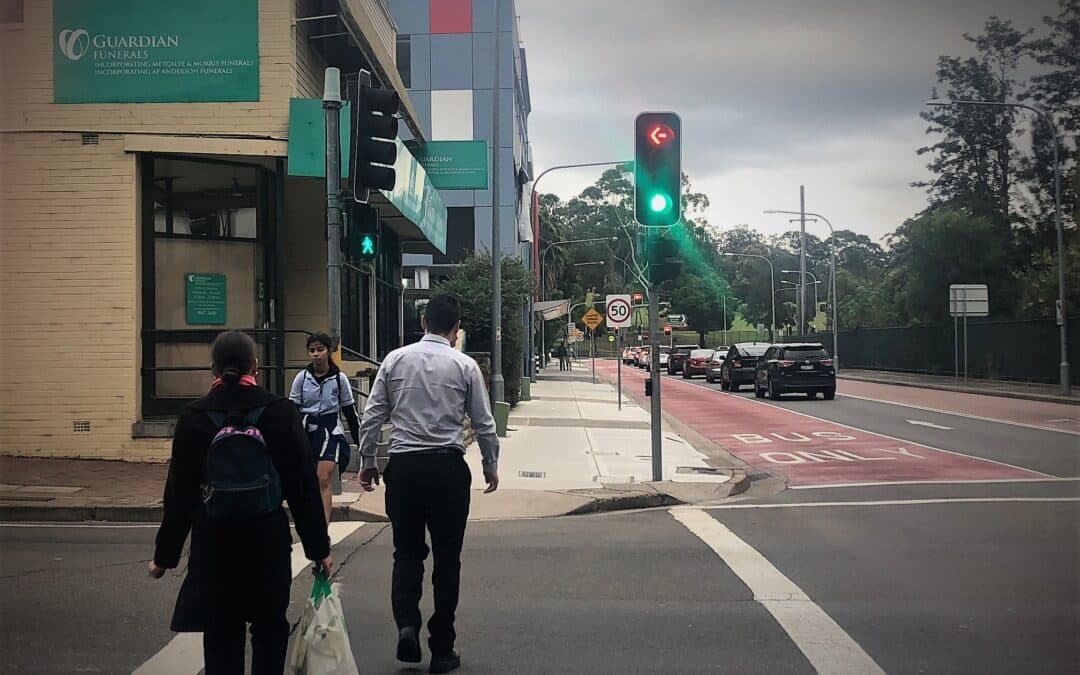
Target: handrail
{"x": 362, "y": 357}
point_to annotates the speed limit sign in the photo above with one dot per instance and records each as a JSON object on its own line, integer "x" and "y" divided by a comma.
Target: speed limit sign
{"x": 618, "y": 311}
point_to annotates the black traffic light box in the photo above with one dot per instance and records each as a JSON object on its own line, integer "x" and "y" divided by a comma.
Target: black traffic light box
{"x": 662, "y": 257}
{"x": 657, "y": 169}
{"x": 373, "y": 132}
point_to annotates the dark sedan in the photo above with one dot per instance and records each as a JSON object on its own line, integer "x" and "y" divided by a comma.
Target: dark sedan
{"x": 796, "y": 368}
{"x": 738, "y": 367}
{"x": 678, "y": 357}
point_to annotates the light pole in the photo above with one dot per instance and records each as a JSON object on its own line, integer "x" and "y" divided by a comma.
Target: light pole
{"x": 332, "y": 108}
{"x": 832, "y": 275}
{"x": 1064, "y": 375}
{"x": 772, "y": 282}
{"x": 815, "y": 284}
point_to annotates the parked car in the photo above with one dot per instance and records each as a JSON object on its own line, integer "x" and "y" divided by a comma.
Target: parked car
{"x": 697, "y": 363}
{"x": 715, "y": 364}
{"x": 644, "y": 357}
{"x": 629, "y": 355}
{"x": 738, "y": 367}
{"x": 797, "y": 367}
{"x": 678, "y": 357}
{"x": 665, "y": 353}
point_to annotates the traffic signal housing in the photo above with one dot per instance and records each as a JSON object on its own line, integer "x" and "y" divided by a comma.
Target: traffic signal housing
{"x": 373, "y": 135}
{"x": 662, "y": 257}
{"x": 657, "y": 169}
{"x": 362, "y": 238}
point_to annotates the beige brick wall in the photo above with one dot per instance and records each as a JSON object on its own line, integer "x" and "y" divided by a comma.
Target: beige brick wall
{"x": 68, "y": 297}
{"x": 26, "y": 58}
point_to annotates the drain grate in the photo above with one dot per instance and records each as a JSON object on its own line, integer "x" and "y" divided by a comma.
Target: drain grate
{"x": 532, "y": 474}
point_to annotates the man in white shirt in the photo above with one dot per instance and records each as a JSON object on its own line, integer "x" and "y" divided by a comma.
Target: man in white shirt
{"x": 425, "y": 390}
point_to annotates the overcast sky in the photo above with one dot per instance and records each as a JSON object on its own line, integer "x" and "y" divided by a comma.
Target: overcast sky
{"x": 772, "y": 94}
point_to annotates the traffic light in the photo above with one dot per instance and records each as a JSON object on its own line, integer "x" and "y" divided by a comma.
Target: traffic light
{"x": 667, "y": 329}
{"x": 657, "y": 169}
{"x": 662, "y": 256}
{"x": 362, "y": 237}
{"x": 373, "y": 133}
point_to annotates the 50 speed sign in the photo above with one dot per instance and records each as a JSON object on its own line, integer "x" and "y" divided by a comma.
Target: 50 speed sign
{"x": 618, "y": 311}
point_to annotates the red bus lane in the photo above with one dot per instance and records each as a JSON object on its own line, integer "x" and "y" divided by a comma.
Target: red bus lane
{"x": 810, "y": 451}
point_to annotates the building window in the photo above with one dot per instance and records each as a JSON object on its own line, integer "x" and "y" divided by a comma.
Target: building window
{"x": 11, "y": 11}
{"x": 404, "y": 59}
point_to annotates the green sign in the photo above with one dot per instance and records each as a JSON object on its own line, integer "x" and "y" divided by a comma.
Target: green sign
{"x": 417, "y": 198}
{"x": 119, "y": 51}
{"x": 206, "y": 299}
{"x": 307, "y": 138}
{"x": 454, "y": 165}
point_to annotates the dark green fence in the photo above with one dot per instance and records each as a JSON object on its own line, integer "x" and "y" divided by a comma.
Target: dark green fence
{"x": 1025, "y": 349}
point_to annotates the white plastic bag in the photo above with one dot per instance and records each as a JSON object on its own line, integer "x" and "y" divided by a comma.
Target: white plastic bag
{"x": 320, "y": 645}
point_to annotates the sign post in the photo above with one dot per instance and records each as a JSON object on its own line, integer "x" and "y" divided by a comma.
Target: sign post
{"x": 592, "y": 319}
{"x": 966, "y": 300}
{"x": 618, "y": 310}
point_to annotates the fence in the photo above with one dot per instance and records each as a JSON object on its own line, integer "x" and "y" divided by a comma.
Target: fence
{"x": 1023, "y": 350}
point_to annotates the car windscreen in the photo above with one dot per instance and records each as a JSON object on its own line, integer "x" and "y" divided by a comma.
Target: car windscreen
{"x": 700, "y": 353}
{"x": 803, "y": 353}
{"x": 752, "y": 350}
{"x": 720, "y": 354}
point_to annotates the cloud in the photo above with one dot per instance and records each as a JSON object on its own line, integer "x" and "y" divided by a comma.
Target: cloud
{"x": 824, "y": 93}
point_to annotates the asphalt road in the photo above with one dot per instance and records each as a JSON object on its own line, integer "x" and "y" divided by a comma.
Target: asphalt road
{"x": 924, "y": 583}
{"x": 1055, "y": 453}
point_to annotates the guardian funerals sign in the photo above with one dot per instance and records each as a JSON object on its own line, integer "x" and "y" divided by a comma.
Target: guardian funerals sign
{"x": 118, "y": 51}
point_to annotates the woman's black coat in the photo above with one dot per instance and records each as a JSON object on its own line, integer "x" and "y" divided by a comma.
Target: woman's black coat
{"x": 238, "y": 568}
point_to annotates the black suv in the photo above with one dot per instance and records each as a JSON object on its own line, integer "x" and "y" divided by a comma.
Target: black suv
{"x": 677, "y": 358}
{"x": 798, "y": 367}
{"x": 738, "y": 367}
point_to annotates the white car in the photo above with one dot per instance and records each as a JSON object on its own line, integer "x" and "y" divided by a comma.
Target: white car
{"x": 664, "y": 352}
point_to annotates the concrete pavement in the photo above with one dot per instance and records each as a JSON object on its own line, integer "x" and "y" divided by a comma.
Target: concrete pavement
{"x": 569, "y": 450}
{"x": 1031, "y": 391}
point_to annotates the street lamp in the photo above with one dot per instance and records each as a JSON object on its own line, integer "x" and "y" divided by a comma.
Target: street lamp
{"x": 1066, "y": 383}
{"x": 815, "y": 285}
{"x": 543, "y": 256}
{"x": 832, "y": 274}
{"x": 772, "y": 281}
{"x": 587, "y": 264}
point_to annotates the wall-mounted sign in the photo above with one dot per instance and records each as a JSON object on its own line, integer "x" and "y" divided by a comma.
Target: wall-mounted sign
{"x": 118, "y": 51}
{"x": 207, "y": 299}
{"x": 454, "y": 165}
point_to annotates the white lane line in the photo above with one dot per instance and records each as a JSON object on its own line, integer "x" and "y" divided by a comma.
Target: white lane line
{"x": 933, "y": 482}
{"x": 886, "y": 502}
{"x": 931, "y": 425}
{"x": 824, "y": 643}
{"x": 968, "y": 416}
{"x": 878, "y": 433}
{"x": 183, "y": 655}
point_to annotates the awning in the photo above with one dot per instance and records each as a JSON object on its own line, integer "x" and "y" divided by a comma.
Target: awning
{"x": 552, "y": 309}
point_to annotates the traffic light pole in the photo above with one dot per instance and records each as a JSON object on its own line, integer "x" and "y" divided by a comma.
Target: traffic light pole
{"x": 332, "y": 107}
{"x": 654, "y": 375}
{"x": 498, "y": 383}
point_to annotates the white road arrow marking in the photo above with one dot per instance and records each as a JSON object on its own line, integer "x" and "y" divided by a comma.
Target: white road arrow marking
{"x": 928, "y": 424}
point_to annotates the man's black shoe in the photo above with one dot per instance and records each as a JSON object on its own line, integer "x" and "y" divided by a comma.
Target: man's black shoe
{"x": 408, "y": 646}
{"x": 444, "y": 663}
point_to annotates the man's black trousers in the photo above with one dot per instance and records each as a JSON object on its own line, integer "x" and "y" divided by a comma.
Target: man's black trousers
{"x": 427, "y": 491}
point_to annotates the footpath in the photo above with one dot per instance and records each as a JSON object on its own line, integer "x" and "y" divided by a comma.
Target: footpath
{"x": 569, "y": 450}
{"x": 1031, "y": 391}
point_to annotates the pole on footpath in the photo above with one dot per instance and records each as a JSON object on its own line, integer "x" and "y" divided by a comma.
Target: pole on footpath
{"x": 332, "y": 107}
{"x": 498, "y": 383}
{"x": 593, "y": 350}
{"x": 618, "y": 354}
{"x": 654, "y": 375}
{"x": 802, "y": 260}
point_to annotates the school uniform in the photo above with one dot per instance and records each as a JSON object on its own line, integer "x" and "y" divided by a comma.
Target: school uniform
{"x": 322, "y": 401}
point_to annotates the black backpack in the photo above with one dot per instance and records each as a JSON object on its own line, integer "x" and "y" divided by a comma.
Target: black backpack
{"x": 241, "y": 480}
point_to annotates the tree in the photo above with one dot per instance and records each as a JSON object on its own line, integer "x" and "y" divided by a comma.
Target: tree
{"x": 472, "y": 285}
{"x": 973, "y": 161}
{"x": 702, "y": 300}
{"x": 944, "y": 247}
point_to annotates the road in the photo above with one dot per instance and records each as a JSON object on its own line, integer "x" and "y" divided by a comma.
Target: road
{"x": 899, "y": 548}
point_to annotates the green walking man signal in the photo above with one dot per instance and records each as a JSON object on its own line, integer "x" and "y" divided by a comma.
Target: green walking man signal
{"x": 369, "y": 245}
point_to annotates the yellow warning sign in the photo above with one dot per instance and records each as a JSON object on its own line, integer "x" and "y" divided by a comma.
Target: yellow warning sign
{"x": 592, "y": 319}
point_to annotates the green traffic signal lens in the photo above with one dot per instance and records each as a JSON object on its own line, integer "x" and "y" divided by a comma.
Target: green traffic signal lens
{"x": 659, "y": 203}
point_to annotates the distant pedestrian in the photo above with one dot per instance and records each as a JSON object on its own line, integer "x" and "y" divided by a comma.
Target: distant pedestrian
{"x": 425, "y": 390}
{"x": 323, "y": 394}
{"x": 560, "y": 353}
{"x": 239, "y": 571}
{"x": 570, "y": 357}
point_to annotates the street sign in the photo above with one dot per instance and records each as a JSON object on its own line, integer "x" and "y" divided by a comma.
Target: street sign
{"x": 968, "y": 300}
{"x": 677, "y": 320}
{"x": 592, "y": 319}
{"x": 618, "y": 311}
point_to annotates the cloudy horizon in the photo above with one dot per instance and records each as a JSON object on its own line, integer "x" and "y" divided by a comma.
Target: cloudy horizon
{"x": 773, "y": 95}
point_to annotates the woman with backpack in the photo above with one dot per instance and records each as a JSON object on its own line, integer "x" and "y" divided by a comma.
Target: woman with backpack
{"x": 323, "y": 394}
{"x": 236, "y": 453}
